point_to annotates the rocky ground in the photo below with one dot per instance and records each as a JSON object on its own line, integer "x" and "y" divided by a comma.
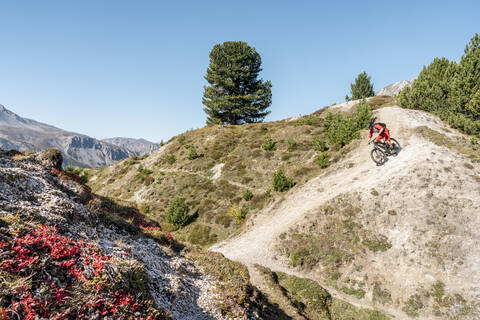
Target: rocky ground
{"x": 401, "y": 237}
{"x": 34, "y": 196}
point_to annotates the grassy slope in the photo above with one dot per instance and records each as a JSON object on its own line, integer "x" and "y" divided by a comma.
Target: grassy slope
{"x": 152, "y": 182}
{"x": 312, "y": 301}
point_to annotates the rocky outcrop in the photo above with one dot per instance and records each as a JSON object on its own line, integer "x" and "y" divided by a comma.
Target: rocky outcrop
{"x": 48, "y": 236}
{"x": 394, "y": 88}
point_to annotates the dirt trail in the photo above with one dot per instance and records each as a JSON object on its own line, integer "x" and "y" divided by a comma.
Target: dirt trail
{"x": 256, "y": 245}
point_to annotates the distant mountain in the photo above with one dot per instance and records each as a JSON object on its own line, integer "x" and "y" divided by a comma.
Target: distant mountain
{"x": 77, "y": 149}
{"x": 394, "y": 88}
{"x": 138, "y": 146}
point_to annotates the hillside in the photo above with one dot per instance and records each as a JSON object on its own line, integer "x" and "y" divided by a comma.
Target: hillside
{"x": 213, "y": 167}
{"x": 17, "y": 133}
{"x": 68, "y": 253}
{"x": 400, "y": 238}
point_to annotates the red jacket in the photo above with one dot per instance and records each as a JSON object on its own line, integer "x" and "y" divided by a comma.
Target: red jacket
{"x": 377, "y": 127}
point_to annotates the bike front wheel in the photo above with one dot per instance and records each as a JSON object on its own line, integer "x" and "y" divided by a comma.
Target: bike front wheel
{"x": 378, "y": 156}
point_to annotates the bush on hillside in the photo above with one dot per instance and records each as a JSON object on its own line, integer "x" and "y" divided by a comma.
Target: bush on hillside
{"x": 363, "y": 115}
{"x": 291, "y": 143}
{"x": 281, "y": 182}
{"x": 319, "y": 144}
{"x": 192, "y": 153}
{"x": 171, "y": 159}
{"x": 268, "y": 144}
{"x": 450, "y": 90}
{"x": 177, "y": 213}
{"x": 247, "y": 195}
{"x": 144, "y": 175}
{"x": 237, "y": 213}
{"x": 307, "y": 120}
{"x": 80, "y": 172}
{"x": 181, "y": 139}
{"x": 362, "y": 87}
{"x": 323, "y": 160}
{"x": 342, "y": 128}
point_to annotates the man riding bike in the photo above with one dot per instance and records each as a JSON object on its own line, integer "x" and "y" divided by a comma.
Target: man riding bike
{"x": 381, "y": 129}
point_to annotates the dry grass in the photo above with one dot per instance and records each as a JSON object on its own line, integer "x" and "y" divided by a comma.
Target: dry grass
{"x": 152, "y": 182}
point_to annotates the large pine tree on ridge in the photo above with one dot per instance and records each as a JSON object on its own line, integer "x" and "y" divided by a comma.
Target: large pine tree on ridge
{"x": 235, "y": 94}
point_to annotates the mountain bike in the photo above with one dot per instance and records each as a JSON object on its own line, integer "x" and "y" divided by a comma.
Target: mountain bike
{"x": 381, "y": 151}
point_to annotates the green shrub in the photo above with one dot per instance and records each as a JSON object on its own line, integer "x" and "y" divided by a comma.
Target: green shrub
{"x": 82, "y": 173}
{"x": 281, "y": 182}
{"x": 247, "y": 195}
{"x": 236, "y": 213}
{"x": 181, "y": 139}
{"x": 319, "y": 144}
{"x": 143, "y": 175}
{"x": 177, "y": 213}
{"x": 268, "y": 193}
{"x": 307, "y": 120}
{"x": 340, "y": 129}
{"x": 323, "y": 160}
{"x": 363, "y": 115}
{"x": 171, "y": 159}
{"x": 291, "y": 143}
{"x": 268, "y": 144}
{"x": 202, "y": 235}
{"x": 192, "y": 153}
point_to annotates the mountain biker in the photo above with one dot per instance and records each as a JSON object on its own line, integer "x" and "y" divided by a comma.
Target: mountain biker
{"x": 381, "y": 129}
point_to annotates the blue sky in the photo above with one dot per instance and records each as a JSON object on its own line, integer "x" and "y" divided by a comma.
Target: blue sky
{"x": 136, "y": 68}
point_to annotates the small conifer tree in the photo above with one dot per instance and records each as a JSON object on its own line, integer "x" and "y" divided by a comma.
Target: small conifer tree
{"x": 361, "y": 88}
{"x": 177, "y": 213}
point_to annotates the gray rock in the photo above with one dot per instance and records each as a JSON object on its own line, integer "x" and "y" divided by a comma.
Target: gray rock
{"x": 51, "y": 159}
{"x": 394, "y": 88}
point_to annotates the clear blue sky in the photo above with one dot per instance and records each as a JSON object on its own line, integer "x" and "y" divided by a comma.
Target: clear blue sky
{"x": 136, "y": 68}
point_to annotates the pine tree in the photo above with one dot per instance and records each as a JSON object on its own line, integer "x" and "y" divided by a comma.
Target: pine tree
{"x": 449, "y": 89}
{"x": 362, "y": 87}
{"x": 235, "y": 94}
{"x": 465, "y": 95}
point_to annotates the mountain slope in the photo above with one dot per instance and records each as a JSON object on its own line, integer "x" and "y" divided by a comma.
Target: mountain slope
{"x": 414, "y": 222}
{"x": 399, "y": 238}
{"x": 69, "y": 254}
{"x": 219, "y": 168}
{"x": 80, "y": 150}
{"x": 137, "y": 147}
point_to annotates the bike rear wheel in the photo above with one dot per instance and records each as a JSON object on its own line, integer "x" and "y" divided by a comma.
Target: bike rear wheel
{"x": 395, "y": 147}
{"x": 378, "y": 156}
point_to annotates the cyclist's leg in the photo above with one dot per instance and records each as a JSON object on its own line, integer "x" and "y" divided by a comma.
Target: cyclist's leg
{"x": 387, "y": 137}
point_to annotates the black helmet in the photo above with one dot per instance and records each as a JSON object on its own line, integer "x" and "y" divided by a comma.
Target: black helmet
{"x": 371, "y": 123}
